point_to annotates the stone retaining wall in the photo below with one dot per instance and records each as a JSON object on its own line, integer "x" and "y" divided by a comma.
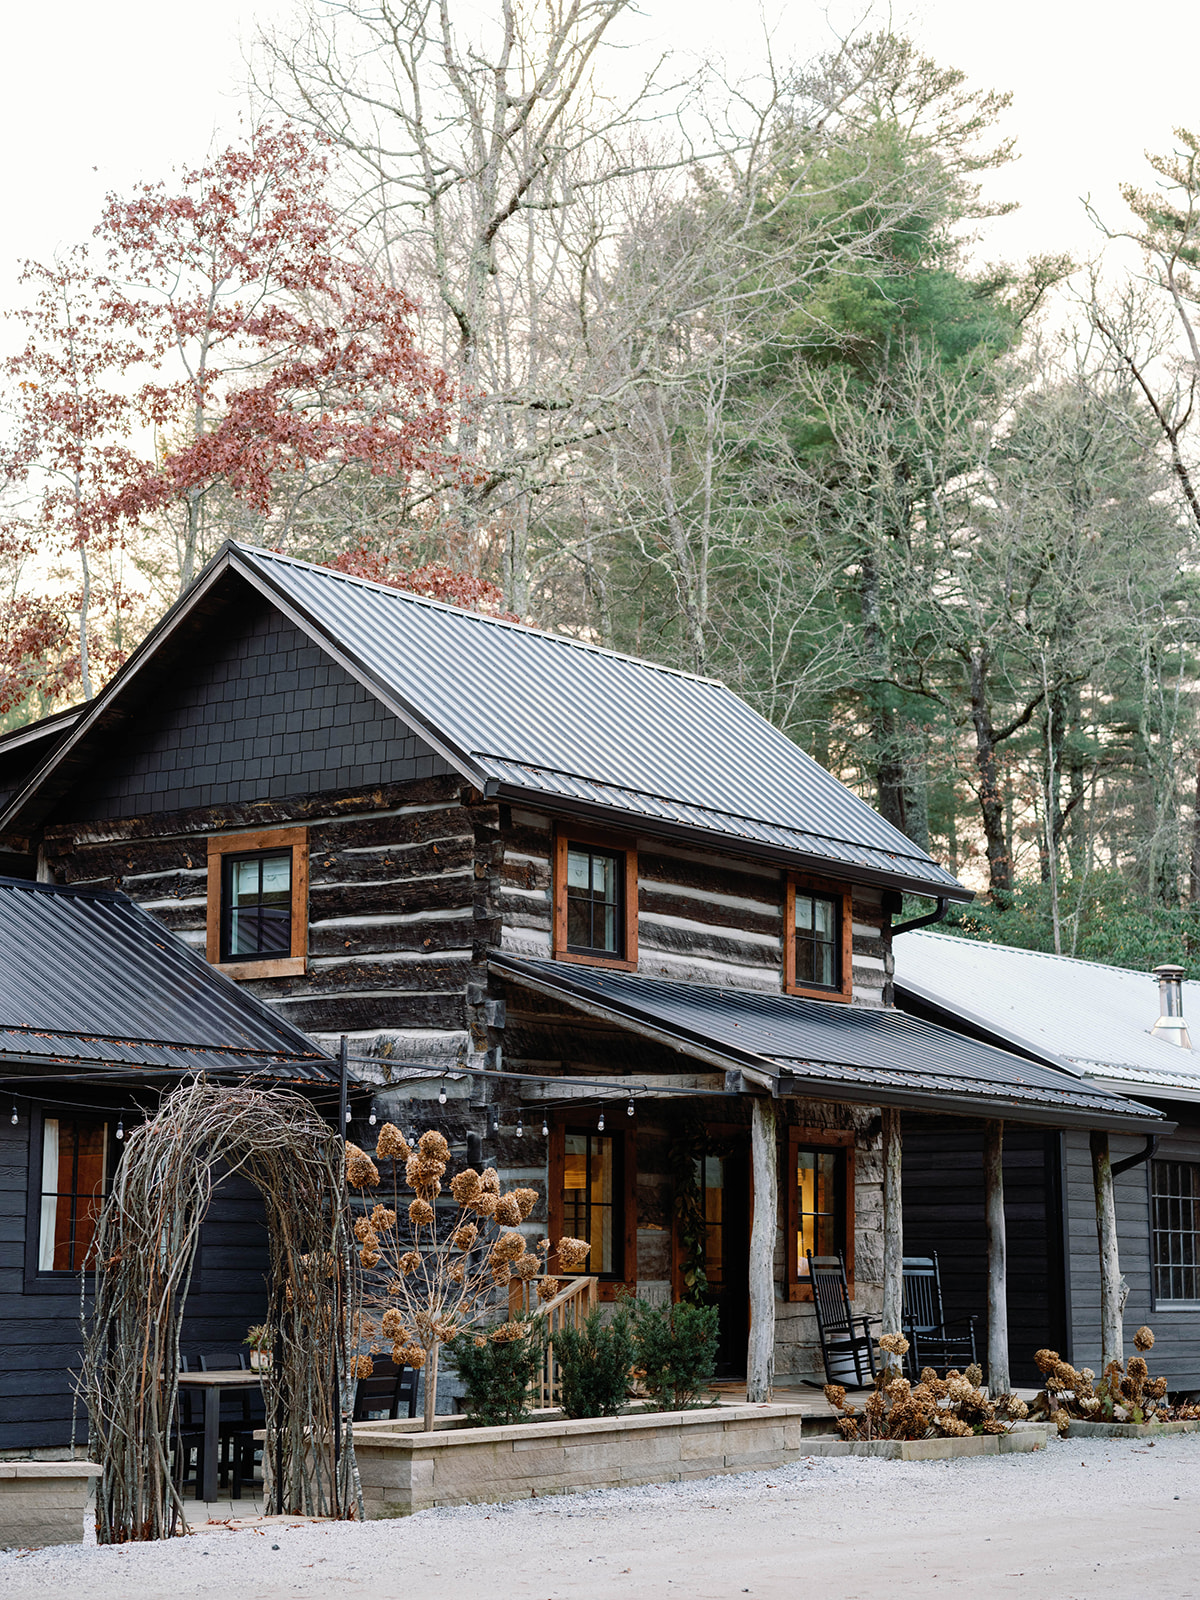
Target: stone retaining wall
{"x": 403, "y": 1472}
{"x": 42, "y": 1502}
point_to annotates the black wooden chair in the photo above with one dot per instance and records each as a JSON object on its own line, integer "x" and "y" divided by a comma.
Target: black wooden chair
{"x": 187, "y": 1438}
{"x": 932, "y": 1341}
{"x": 241, "y": 1413}
{"x": 387, "y": 1389}
{"x": 848, "y": 1353}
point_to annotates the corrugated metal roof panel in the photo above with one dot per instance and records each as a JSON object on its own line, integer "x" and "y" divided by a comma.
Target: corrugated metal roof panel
{"x": 558, "y": 716}
{"x": 1094, "y": 1017}
{"x": 90, "y": 977}
{"x": 876, "y": 1049}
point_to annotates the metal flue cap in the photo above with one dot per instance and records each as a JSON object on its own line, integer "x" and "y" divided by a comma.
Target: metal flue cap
{"x": 1170, "y": 1025}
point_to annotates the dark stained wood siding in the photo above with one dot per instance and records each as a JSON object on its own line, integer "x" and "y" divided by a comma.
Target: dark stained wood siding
{"x": 943, "y": 1213}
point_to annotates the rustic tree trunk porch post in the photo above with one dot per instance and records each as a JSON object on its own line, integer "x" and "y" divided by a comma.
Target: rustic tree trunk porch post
{"x": 893, "y": 1224}
{"x": 993, "y": 1184}
{"x": 764, "y": 1162}
{"x": 1112, "y": 1344}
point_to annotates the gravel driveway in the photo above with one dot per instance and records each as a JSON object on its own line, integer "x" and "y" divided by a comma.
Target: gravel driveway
{"x": 1085, "y": 1520}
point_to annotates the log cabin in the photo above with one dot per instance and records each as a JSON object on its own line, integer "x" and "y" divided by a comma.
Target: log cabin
{"x": 591, "y": 911}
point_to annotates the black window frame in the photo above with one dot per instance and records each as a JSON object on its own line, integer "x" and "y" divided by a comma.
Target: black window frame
{"x": 617, "y": 1206}
{"x": 1158, "y": 1199}
{"x": 835, "y": 901}
{"x": 229, "y": 860}
{"x": 619, "y": 859}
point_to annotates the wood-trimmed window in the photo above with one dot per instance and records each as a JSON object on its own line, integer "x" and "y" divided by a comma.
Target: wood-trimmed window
{"x": 818, "y": 950}
{"x": 76, "y": 1174}
{"x": 593, "y": 1196}
{"x": 258, "y": 903}
{"x": 820, "y": 1202}
{"x": 595, "y": 899}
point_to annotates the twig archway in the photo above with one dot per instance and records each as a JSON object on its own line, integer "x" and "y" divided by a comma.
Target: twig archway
{"x": 144, "y": 1252}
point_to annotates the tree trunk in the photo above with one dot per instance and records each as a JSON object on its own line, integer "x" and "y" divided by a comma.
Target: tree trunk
{"x": 1194, "y": 886}
{"x": 893, "y": 1224}
{"x": 760, "y": 1357}
{"x": 1112, "y": 1344}
{"x": 991, "y": 801}
{"x": 431, "y": 1371}
{"x": 993, "y": 1181}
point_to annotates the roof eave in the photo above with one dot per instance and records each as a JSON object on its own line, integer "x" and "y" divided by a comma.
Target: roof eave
{"x": 729, "y": 844}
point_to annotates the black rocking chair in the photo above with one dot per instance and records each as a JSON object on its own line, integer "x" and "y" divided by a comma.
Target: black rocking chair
{"x": 387, "y": 1389}
{"x": 932, "y": 1341}
{"x": 848, "y": 1353}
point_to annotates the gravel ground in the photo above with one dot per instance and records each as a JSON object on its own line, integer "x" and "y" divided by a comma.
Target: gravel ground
{"x": 1090, "y": 1519}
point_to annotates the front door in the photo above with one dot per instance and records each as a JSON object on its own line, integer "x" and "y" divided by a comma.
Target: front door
{"x": 726, "y": 1184}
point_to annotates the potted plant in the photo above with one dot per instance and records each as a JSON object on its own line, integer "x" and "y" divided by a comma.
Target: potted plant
{"x": 259, "y": 1340}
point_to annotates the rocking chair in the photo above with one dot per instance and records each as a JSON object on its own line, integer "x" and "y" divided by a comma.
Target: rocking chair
{"x": 932, "y": 1341}
{"x": 848, "y": 1354}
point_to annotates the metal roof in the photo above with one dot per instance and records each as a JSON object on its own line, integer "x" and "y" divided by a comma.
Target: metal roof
{"x": 88, "y": 977}
{"x": 1092, "y": 1019}
{"x": 558, "y": 722}
{"x": 871, "y": 1054}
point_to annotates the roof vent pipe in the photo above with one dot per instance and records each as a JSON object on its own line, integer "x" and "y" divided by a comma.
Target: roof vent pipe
{"x": 1170, "y": 1025}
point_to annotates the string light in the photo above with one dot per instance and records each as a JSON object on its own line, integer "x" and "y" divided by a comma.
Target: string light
{"x": 545, "y": 1129}
{"x": 442, "y": 1095}
{"x": 629, "y": 1107}
{"x": 348, "y": 1116}
{"x": 15, "y": 1118}
{"x": 372, "y": 1118}
{"x": 493, "y": 1121}
{"x": 520, "y": 1126}
{"x": 121, "y": 1125}
{"x": 600, "y": 1124}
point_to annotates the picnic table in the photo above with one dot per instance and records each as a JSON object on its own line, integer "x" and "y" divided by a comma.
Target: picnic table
{"x": 214, "y": 1385}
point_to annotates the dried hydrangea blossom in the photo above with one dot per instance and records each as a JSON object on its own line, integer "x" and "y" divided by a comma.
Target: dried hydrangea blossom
{"x": 835, "y": 1393}
{"x": 392, "y": 1143}
{"x": 464, "y": 1236}
{"x": 392, "y": 1324}
{"x": 362, "y": 1228}
{"x": 547, "y": 1288}
{"x": 409, "y": 1355}
{"x": 420, "y": 1213}
{"x": 433, "y": 1144}
{"x": 408, "y": 1262}
{"x": 572, "y": 1253}
{"x": 363, "y": 1366}
{"x": 508, "y": 1247}
{"x": 507, "y": 1212}
{"x": 974, "y": 1375}
{"x": 485, "y": 1203}
{"x": 465, "y": 1185}
{"x": 526, "y": 1199}
{"x": 1143, "y": 1339}
{"x": 361, "y": 1171}
{"x": 383, "y": 1217}
{"x": 501, "y": 1275}
{"x": 490, "y": 1180}
{"x": 526, "y": 1267}
{"x": 894, "y": 1343}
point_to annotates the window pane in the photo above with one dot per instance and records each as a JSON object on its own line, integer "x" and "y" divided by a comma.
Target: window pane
{"x": 589, "y": 1197}
{"x": 593, "y": 893}
{"x": 74, "y": 1177}
{"x": 579, "y": 869}
{"x": 804, "y": 912}
{"x": 1175, "y": 1221}
{"x": 816, "y": 940}
{"x": 260, "y": 906}
{"x": 819, "y": 1228}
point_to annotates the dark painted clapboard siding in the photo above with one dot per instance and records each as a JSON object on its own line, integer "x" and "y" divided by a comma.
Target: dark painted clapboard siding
{"x": 39, "y": 1332}
{"x": 944, "y": 1213}
{"x": 1176, "y": 1354}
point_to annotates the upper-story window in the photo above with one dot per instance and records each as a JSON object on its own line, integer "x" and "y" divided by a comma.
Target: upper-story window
{"x": 595, "y": 901}
{"x": 817, "y": 934}
{"x": 258, "y": 903}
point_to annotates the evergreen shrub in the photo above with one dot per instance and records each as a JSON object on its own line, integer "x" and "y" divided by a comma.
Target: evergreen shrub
{"x": 676, "y": 1350}
{"x": 594, "y": 1364}
{"x": 497, "y": 1366}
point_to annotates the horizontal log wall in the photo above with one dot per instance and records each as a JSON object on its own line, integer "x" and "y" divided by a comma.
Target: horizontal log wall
{"x": 702, "y": 917}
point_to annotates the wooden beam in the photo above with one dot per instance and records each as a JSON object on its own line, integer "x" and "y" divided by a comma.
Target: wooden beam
{"x": 893, "y": 1224}
{"x": 993, "y": 1190}
{"x": 1112, "y": 1343}
{"x": 764, "y": 1168}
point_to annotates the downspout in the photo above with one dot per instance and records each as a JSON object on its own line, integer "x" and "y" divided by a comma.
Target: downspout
{"x": 943, "y": 905}
{"x": 1136, "y": 1160}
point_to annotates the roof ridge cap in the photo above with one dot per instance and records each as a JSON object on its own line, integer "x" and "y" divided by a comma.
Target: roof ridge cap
{"x": 256, "y": 551}
{"x": 1044, "y": 955}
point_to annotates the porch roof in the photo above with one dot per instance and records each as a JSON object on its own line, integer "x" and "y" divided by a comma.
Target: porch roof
{"x": 815, "y": 1049}
{"x": 91, "y": 982}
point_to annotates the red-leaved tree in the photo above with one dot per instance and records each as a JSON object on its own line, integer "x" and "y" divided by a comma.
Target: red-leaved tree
{"x": 276, "y": 358}
{"x": 434, "y": 580}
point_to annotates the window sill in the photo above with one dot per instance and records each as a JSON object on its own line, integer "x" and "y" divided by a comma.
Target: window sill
{"x": 1190, "y": 1306}
{"x": 579, "y": 960}
{"x": 281, "y": 967}
{"x": 838, "y": 996}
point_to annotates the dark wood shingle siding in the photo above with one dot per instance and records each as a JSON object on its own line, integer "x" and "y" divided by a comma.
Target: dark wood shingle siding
{"x": 265, "y": 715}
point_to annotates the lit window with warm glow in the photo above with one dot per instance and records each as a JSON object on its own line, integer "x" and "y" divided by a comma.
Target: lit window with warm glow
{"x": 818, "y": 1182}
{"x": 74, "y": 1180}
{"x": 590, "y": 1198}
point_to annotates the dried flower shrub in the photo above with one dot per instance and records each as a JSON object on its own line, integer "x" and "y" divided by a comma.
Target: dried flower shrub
{"x": 433, "y": 1276}
{"x": 1130, "y": 1395}
{"x": 955, "y": 1406}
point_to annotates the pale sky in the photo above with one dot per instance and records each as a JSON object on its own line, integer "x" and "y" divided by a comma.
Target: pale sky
{"x": 101, "y": 93}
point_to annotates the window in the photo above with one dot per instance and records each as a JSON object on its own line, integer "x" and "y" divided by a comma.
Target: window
{"x": 75, "y": 1177}
{"x": 817, "y": 940}
{"x": 820, "y": 1202}
{"x": 1175, "y": 1229}
{"x": 258, "y": 903}
{"x": 592, "y": 1176}
{"x": 595, "y": 902}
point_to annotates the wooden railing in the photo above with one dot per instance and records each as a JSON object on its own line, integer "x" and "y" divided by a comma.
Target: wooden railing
{"x": 568, "y": 1308}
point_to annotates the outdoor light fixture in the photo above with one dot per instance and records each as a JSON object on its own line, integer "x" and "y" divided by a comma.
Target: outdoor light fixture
{"x": 520, "y": 1126}
{"x": 121, "y": 1125}
{"x": 442, "y": 1095}
{"x": 629, "y": 1107}
{"x": 348, "y": 1115}
{"x": 372, "y": 1118}
{"x": 14, "y": 1119}
{"x": 493, "y": 1121}
{"x": 600, "y": 1124}
{"x": 545, "y": 1127}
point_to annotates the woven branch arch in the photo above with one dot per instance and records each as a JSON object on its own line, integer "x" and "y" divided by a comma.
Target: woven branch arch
{"x": 145, "y": 1249}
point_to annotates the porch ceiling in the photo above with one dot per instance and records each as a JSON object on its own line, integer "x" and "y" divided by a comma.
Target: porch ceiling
{"x": 810, "y": 1048}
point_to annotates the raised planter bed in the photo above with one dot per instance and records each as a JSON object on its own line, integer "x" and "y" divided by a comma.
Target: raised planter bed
{"x": 42, "y": 1502}
{"x": 403, "y": 1471}
{"x": 1127, "y": 1430}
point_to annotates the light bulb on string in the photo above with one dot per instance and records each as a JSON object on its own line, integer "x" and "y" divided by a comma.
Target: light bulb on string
{"x": 629, "y": 1107}
{"x": 372, "y": 1117}
{"x": 545, "y": 1129}
{"x": 15, "y": 1118}
{"x": 520, "y": 1126}
{"x": 493, "y": 1121}
{"x": 121, "y": 1125}
{"x": 442, "y": 1095}
{"x": 600, "y": 1124}
{"x": 349, "y": 1113}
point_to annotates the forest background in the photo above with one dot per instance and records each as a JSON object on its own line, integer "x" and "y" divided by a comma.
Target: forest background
{"x": 707, "y": 370}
